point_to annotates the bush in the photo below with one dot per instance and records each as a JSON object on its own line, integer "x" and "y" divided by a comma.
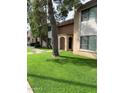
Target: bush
{"x": 32, "y": 44}
{"x": 37, "y": 45}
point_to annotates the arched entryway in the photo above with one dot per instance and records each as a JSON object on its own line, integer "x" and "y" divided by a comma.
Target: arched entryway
{"x": 70, "y": 43}
{"x": 62, "y": 43}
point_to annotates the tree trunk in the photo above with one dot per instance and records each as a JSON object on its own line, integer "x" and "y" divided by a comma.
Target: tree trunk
{"x": 54, "y": 29}
{"x": 46, "y": 39}
{"x": 41, "y": 40}
{"x": 36, "y": 40}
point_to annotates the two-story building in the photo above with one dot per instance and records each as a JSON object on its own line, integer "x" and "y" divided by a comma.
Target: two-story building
{"x": 79, "y": 34}
{"x": 85, "y": 29}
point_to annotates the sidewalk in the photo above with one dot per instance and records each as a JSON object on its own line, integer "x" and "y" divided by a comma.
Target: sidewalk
{"x": 37, "y": 51}
{"x": 29, "y": 90}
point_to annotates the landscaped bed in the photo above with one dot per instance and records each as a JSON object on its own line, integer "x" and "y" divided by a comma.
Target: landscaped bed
{"x": 66, "y": 74}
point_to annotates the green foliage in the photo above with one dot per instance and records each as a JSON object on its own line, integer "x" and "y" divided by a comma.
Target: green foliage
{"x": 64, "y": 6}
{"x": 37, "y": 17}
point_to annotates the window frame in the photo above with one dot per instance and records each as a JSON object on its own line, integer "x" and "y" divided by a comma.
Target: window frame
{"x": 83, "y": 49}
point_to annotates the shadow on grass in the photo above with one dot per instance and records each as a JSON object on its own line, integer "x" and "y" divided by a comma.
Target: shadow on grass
{"x": 62, "y": 81}
{"x": 75, "y": 60}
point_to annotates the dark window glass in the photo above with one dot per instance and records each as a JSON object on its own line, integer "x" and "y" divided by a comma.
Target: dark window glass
{"x": 85, "y": 15}
{"x": 28, "y": 38}
{"x": 88, "y": 42}
{"x": 84, "y": 42}
{"x": 93, "y": 14}
{"x": 49, "y": 28}
{"x": 89, "y": 14}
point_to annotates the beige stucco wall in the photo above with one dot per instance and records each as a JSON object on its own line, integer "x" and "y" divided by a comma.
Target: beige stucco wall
{"x": 32, "y": 39}
{"x": 76, "y": 41}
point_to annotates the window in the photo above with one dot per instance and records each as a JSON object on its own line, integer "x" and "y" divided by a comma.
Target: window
{"x": 49, "y": 28}
{"x": 89, "y": 14}
{"x": 93, "y": 14}
{"x": 84, "y": 42}
{"x": 88, "y": 35}
{"x": 85, "y": 15}
{"x": 88, "y": 42}
{"x": 28, "y": 38}
{"x": 92, "y": 43}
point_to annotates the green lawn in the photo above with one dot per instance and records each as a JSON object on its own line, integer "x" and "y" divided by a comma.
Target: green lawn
{"x": 29, "y": 50}
{"x": 44, "y": 48}
{"x": 66, "y": 74}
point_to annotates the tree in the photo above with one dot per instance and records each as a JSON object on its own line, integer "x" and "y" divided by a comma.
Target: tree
{"x": 54, "y": 28}
{"x": 37, "y": 18}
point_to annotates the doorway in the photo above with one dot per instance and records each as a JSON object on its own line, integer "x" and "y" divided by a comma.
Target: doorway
{"x": 62, "y": 43}
{"x": 70, "y": 43}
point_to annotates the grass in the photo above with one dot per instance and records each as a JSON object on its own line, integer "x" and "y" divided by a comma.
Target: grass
{"x": 44, "y": 48}
{"x": 29, "y": 49}
{"x": 66, "y": 74}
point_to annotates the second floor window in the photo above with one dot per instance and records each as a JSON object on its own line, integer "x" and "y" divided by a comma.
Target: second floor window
{"x": 85, "y": 15}
{"x": 89, "y": 14}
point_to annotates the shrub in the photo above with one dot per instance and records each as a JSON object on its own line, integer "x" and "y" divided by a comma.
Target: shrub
{"x": 37, "y": 45}
{"x": 32, "y": 44}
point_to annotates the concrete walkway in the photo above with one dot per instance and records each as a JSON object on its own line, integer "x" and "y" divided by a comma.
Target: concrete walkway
{"x": 37, "y": 51}
{"x": 29, "y": 90}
